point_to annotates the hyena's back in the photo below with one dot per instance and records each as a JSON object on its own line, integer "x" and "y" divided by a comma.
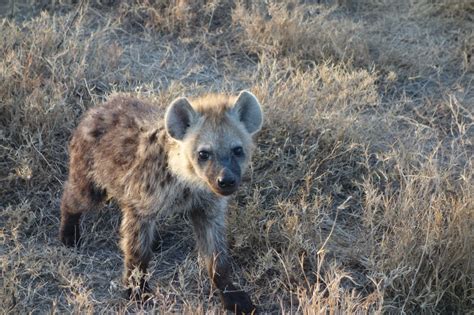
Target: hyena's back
{"x": 107, "y": 140}
{"x": 103, "y": 148}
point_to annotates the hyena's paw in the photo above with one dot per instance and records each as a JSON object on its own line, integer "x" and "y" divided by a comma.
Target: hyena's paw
{"x": 70, "y": 239}
{"x": 70, "y": 236}
{"x": 238, "y": 302}
{"x": 69, "y": 232}
{"x": 141, "y": 294}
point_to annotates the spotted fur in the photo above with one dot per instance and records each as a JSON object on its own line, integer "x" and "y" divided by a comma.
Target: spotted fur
{"x": 149, "y": 162}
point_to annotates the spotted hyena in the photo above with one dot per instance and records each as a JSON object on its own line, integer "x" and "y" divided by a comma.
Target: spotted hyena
{"x": 190, "y": 161}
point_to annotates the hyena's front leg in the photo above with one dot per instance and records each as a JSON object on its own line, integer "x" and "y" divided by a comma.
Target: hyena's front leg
{"x": 137, "y": 238}
{"x": 212, "y": 245}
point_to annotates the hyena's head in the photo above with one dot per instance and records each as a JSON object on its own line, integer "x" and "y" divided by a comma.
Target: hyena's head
{"x": 213, "y": 138}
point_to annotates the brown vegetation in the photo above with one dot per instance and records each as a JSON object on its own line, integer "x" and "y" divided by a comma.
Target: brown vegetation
{"x": 360, "y": 197}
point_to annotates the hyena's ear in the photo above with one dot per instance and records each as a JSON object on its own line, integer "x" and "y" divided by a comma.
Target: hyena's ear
{"x": 179, "y": 117}
{"x": 249, "y": 112}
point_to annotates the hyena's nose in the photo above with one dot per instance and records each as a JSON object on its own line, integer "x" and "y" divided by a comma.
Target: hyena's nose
{"x": 226, "y": 181}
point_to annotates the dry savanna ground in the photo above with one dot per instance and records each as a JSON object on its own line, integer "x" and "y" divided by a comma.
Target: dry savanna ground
{"x": 360, "y": 198}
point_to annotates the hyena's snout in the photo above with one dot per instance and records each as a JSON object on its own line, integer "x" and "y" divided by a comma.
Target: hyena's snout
{"x": 226, "y": 179}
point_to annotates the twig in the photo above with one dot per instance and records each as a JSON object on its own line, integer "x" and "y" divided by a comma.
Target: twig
{"x": 71, "y": 23}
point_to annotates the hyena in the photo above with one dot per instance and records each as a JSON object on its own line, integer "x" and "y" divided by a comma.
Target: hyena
{"x": 190, "y": 161}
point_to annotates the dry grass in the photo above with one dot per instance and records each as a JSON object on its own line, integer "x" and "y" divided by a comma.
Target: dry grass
{"x": 360, "y": 198}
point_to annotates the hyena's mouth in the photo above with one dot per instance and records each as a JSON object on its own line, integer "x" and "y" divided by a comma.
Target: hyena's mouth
{"x": 224, "y": 191}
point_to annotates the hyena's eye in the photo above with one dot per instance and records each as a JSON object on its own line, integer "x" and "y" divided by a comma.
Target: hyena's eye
{"x": 204, "y": 155}
{"x": 238, "y": 151}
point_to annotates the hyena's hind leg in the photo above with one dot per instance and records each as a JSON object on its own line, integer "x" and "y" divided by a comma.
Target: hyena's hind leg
{"x": 77, "y": 198}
